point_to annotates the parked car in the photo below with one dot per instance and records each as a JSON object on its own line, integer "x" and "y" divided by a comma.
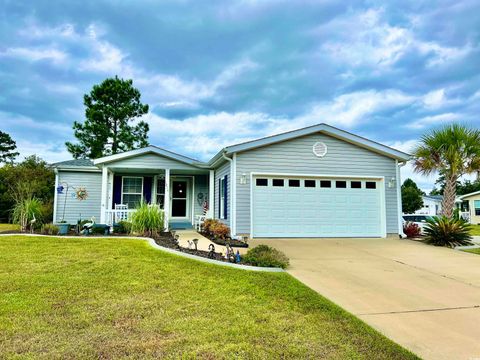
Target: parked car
{"x": 420, "y": 220}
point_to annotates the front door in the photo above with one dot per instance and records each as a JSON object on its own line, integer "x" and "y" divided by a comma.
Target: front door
{"x": 180, "y": 204}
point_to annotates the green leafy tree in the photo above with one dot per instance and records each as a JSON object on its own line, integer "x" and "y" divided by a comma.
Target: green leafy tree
{"x": 464, "y": 187}
{"x": 453, "y": 151}
{"x": 7, "y": 148}
{"x": 411, "y": 197}
{"x": 109, "y": 128}
{"x": 31, "y": 178}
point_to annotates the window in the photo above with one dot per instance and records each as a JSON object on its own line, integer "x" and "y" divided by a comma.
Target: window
{"x": 223, "y": 203}
{"x": 340, "y": 184}
{"x": 161, "y": 193}
{"x": 356, "y": 184}
{"x": 370, "y": 185}
{"x": 294, "y": 183}
{"x": 132, "y": 191}
{"x": 261, "y": 182}
{"x": 476, "y": 204}
{"x": 325, "y": 183}
{"x": 310, "y": 183}
{"x": 277, "y": 182}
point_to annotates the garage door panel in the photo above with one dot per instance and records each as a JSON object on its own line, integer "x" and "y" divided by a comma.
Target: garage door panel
{"x": 286, "y": 211}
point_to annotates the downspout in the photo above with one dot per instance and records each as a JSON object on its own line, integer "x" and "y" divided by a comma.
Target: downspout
{"x": 55, "y": 197}
{"x": 232, "y": 195}
{"x": 399, "y": 199}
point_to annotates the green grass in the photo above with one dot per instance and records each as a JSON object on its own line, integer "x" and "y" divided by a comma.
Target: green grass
{"x": 120, "y": 298}
{"x": 9, "y": 227}
{"x": 475, "y": 230}
{"x": 473, "y": 251}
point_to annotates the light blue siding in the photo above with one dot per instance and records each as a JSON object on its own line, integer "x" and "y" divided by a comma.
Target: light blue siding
{"x": 76, "y": 209}
{"x": 201, "y": 187}
{"x": 220, "y": 172}
{"x": 150, "y": 161}
{"x": 296, "y": 156}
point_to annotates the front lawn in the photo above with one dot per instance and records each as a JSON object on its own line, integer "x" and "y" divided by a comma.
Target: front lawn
{"x": 473, "y": 251}
{"x": 475, "y": 230}
{"x": 110, "y": 298}
{"x": 8, "y": 227}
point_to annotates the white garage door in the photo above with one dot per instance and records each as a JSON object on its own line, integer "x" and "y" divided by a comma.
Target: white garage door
{"x": 314, "y": 207}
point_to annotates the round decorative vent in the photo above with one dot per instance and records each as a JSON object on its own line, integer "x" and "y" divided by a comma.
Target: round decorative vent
{"x": 320, "y": 149}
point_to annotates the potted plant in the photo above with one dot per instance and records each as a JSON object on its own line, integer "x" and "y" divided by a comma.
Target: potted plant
{"x": 63, "y": 227}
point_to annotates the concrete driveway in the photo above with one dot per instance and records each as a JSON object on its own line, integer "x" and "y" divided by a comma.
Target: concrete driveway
{"x": 425, "y": 298}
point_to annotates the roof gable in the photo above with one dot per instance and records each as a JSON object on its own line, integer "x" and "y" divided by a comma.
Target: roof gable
{"x": 323, "y": 128}
{"x": 149, "y": 150}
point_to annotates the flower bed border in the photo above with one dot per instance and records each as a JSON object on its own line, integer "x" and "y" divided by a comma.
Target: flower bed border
{"x": 153, "y": 244}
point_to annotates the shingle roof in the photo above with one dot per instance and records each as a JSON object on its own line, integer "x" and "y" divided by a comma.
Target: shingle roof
{"x": 74, "y": 163}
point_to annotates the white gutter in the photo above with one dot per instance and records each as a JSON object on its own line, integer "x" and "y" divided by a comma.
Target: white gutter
{"x": 399, "y": 199}
{"x": 55, "y": 197}
{"x": 233, "y": 193}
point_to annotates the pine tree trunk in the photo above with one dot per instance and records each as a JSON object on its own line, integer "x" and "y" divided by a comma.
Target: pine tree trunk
{"x": 449, "y": 195}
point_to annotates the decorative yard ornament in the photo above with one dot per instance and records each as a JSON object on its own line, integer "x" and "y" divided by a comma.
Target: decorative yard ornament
{"x": 195, "y": 242}
{"x": 211, "y": 254}
{"x": 237, "y": 257}
{"x": 81, "y": 193}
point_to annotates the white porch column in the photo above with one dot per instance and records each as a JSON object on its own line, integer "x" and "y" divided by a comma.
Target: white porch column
{"x": 110, "y": 190}
{"x": 166, "y": 207}
{"x": 104, "y": 198}
{"x": 154, "y": 189}
{"x": 211, "y": 195}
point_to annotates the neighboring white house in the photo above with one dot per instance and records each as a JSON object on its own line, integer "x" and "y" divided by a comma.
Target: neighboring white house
{"x": 432, "y": 205}
{"x": 318, "y": 181}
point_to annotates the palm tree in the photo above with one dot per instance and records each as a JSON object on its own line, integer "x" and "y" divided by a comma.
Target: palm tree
{"x": 453, "y": 151}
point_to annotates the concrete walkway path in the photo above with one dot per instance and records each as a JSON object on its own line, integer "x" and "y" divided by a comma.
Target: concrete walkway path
{"x": 423, "y": 297}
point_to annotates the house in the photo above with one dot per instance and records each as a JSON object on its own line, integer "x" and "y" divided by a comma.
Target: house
{"x": 432, "y": 205}
{"x": 469, "y": 205}
{"x": 318, "y": 181}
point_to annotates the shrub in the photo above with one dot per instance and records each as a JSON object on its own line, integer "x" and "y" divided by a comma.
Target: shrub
{"x": 266, "y": 256}
{"x": 221, "y": 231}
{"x": 25, "y": 211}
{"x": 209, "y": 225}
{"x": 50, "y": 229}
{"x": 412, "y": 230}
{"x": 123, "y": 227}
{"x": 444, "y": 231}
{"x": 147, "y": 220}
{"x": 97, "y": 230}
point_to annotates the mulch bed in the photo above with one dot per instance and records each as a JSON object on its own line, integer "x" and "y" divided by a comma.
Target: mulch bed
{"x": 166, "y": 239}
{"x": 223, "y": 242}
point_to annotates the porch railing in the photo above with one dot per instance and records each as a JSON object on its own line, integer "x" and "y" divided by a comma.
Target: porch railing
{"x": 465, "y": 215}
{"x": 115, "y": 216}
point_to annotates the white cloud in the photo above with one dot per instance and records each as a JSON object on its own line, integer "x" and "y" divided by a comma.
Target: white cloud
{"x": 51, "y": 152}
{"x": 368, "y": 39}
{"x": 354, "y": 108}
{"x": 35, "y": 54}
{"x": 434, "y": 99}
{"x": 433, "y": 120}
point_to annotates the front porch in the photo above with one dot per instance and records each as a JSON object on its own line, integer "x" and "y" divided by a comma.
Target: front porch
{"x": 182, "y": 194}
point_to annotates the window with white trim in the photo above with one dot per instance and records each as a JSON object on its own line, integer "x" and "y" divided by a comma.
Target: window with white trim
{"x": 476, "y": 204}
{"x": 222, "y": 198}
{"x": 132, "y": 191}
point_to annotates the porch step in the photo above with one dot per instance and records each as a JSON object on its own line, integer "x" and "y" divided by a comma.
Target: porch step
{"x": 184, "y": 225}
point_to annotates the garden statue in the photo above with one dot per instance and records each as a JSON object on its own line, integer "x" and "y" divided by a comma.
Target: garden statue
{"x": 211, "y": 248}
{"x": 195, "y": 242}
{"x": 237, "y": 257}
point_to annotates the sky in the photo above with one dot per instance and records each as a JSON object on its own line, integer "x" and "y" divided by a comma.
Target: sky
{"x": 215, "y": 73}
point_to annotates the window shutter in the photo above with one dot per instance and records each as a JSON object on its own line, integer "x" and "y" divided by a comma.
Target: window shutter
{"x": 219, "y": 199}
{"x": 117, "y": 191}
{"x": 225, "y": 202}
{"x": 147, "y": 189}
